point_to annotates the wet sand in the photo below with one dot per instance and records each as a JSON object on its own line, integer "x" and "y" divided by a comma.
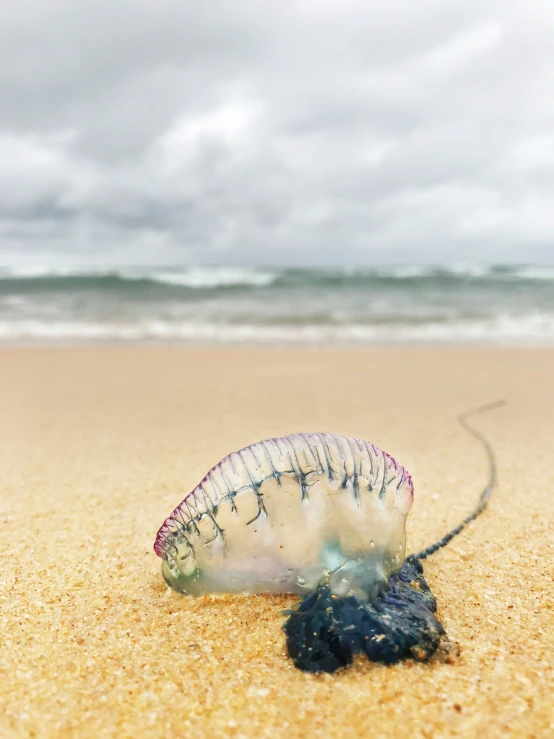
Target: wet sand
{"x": 97, "y": 445}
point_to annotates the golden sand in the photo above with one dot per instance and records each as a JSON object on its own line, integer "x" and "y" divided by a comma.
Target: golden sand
{"x": 98, "y": 445}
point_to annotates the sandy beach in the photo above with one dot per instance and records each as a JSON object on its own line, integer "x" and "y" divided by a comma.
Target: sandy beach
{"x": 97, "y": 446}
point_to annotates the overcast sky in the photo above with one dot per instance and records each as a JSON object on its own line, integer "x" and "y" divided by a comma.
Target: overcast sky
{"x": 249, "y": 132}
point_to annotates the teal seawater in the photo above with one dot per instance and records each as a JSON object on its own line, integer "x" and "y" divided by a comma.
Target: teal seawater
{"x": 401, "y": 304}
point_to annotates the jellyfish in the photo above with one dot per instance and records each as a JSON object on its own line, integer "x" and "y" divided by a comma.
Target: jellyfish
{"x": 323, "y": 516}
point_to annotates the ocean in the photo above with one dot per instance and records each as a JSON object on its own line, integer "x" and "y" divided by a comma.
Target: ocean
{"x": 478, "y": 304}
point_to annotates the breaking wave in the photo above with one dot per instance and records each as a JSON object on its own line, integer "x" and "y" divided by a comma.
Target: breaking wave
{"x": 395, "y": 304}
{"x": 503, "y": 330}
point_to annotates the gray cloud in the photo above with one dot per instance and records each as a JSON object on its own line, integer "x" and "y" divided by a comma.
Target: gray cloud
{"x": 299, "y": 131}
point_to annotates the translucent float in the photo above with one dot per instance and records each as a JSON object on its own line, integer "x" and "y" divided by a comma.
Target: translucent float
{"x": 283, "y": 514}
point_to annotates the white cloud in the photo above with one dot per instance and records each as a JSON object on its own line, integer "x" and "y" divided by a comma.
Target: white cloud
{"x": 278, "y": 132}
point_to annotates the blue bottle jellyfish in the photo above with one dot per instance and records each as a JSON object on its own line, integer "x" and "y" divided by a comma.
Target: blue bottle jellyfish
{"x": 323, "y": 516}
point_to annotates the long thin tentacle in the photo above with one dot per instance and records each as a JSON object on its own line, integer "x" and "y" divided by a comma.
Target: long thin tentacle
{"x": 486, "y": 494}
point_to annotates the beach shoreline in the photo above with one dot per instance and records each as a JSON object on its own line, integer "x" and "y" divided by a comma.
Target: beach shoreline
{"x": 99, "y": 443}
